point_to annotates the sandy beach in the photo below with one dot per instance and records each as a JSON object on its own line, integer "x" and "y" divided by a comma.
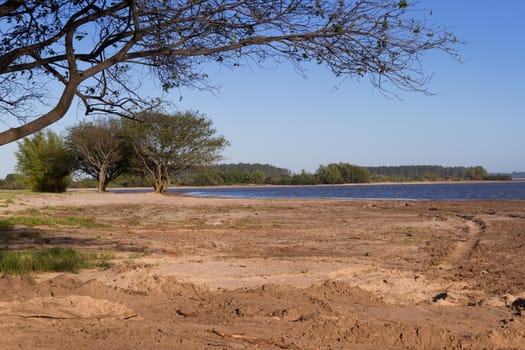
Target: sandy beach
{"x": 208, "y": 273}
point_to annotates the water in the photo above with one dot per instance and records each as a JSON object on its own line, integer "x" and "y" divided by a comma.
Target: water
{"x": 511, "y": 190}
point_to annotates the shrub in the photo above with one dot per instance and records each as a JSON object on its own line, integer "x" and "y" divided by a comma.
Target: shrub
{"x": 45, "y": 162}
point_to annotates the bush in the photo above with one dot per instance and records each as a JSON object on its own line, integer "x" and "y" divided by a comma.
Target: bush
{"x": 45, "y": 162}
{"x": 206, "y": 178}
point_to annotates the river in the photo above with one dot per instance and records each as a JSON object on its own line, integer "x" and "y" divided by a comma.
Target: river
{"x": 509, "y": 190}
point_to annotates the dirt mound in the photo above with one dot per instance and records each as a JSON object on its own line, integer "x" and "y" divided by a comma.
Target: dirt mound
{"x": 61, "y": 297}
{"x": 16, "y": 288}
{"x": 337, "y": 290}
{"x": 67, "y": 307}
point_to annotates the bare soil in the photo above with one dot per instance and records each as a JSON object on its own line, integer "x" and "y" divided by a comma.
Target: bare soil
{"x": 203, "y": 273}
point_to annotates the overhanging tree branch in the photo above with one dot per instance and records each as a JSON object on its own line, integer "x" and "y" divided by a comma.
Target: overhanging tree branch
{"x": 88, "y": 46}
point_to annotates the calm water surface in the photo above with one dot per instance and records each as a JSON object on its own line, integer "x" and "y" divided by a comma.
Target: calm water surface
{"x": 512, "y": 190}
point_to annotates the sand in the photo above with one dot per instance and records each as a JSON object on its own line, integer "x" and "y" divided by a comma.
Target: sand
{"x": 205, "y": 273}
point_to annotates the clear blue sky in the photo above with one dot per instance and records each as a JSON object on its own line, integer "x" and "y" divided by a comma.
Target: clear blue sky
{"x": 477, "y": 116}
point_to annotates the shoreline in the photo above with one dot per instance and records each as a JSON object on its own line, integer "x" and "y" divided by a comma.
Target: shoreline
{"x": 414, "y": 191}
{"x": 443, "y": 182}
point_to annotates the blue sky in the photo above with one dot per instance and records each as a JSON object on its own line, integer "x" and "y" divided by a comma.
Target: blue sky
{"x": 476, "y": 117}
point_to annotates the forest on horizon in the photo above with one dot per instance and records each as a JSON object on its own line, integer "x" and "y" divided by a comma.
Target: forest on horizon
{"x": 256, "y": 173}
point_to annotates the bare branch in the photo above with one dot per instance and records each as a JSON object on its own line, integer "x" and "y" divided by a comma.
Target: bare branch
{"x": 88, "y": 46}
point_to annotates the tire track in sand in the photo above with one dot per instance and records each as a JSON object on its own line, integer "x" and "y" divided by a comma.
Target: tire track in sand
{"x": 475, "y": 228}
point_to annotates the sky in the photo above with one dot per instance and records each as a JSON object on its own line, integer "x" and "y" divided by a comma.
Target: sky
{"x": 279, "y": 117}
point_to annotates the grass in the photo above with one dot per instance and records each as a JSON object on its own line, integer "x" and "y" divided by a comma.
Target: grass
{"x": 50, "y": 260}
{"x": 48, "y": 221}
{"x": 6, "y": 200}
{"x": 61, "y": 208}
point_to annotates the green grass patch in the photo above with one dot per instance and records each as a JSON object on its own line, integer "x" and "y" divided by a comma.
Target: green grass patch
{"x": 50, "y": 260}
{"x": 48, "y": 221}
{"x": 62, "y": 208}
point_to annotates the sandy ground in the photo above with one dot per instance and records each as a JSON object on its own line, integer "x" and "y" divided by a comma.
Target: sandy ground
{"x": 203, "y": 273}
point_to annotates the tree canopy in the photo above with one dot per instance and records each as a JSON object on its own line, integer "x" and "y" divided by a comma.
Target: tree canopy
{"x": 476, "y": 173}
{"x": 164, "y": 145}
{"x": 99, "y": 51}
{"x": 45, "y": 162}
{"x": 342, "y": 173}
{"x": 101, "y": 150}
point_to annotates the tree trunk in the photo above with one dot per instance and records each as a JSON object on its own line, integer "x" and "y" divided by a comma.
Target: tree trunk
{"x": 161, "y": 181}
{"x": 102, "y": 183}
{"x": 161, "y": 185}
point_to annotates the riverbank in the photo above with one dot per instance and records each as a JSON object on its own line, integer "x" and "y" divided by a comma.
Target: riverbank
{"x": 243, "y": 273}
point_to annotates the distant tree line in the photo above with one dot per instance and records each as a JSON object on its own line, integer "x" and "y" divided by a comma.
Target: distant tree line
{"x": 335, "y": 173}
{"x": 432, "y": 173}
{"x": 179, "y": 148}
{"x": 231, "y": 174}
{"x": 258, "y": 174}
{"x": 267, "y": 169}
{"x": 419, "y": 172}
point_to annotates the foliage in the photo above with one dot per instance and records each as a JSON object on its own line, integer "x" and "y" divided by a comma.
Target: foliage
{"x": 13, "y": 182}
{"x": 498, "y": 177}
{"x": 342, "y": 173}
{"x": 304, "y": 178}
{"x": 45, "y": 162}
{"x": 419, "y": 172}
{"x": 90, "y": 49}
{"x": 209, "y": 177}
{"x": 165, "y": 145}
{"x": 250, "y": 168}
{"x": 331, "y": 174}
{"x": 101, "y": 150}
{"x": 131, "y": 180}
{"x": 235, "y": 174}
{"x": 476, "y": 173}
{"x": 48, "y": 260}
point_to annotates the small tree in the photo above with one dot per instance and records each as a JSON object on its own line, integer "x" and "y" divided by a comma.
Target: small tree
{"x": 45, "y": 162}
{"x": 101, "y": 150}
{"x": 165, "y": 145}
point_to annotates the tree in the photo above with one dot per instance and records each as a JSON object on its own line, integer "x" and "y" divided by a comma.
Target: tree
{"x": 45, "y": 162}
{"x": 330, "y": 174}
{"x": 101, "y": 150}
{"x": 165, "y": 145}
{"x": 93, "y": 50}
{"x": 476, "y": 173}
{"x": 353, "y": 173}
{"x": 343, "y": 173}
